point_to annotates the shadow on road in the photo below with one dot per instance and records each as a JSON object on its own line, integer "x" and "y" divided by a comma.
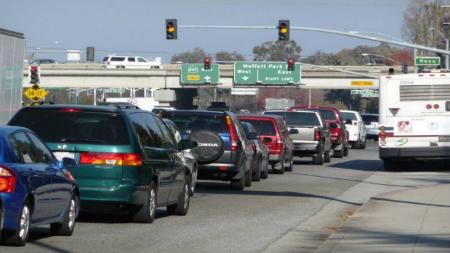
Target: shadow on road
{"x": 217, "y": 188}
{"x": 408, "y": 202}
{"x": 113, "y": 216}
{"x": 423, "y": 165}
{"x": 364, "y": 165}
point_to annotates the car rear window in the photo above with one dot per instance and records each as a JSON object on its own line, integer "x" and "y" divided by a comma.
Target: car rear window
{"x": 75, "y": 127}
{"x": 302, "y": 119}
{"x": 327, "y": 114}
{"x": 117, "y": 58}
{"x": 368, "y": 119}
{"x": 349, "y": 115}
{"x": 263, "y": 127}
{"x": 187, "y": 123}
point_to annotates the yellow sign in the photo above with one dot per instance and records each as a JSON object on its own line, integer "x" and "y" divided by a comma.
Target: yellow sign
{"x": 193, "y": 77}
{"x": 35, "y": 93}
{"x": 362, "y": 83}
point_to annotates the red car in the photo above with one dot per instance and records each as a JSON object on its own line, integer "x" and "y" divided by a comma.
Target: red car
{"x": 274, "y": 134}
{"x": 336, "y": 124}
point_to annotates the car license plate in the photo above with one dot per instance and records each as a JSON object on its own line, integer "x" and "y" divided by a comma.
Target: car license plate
{"x": 444, "y": 138}
{"x": 61, "y": 155}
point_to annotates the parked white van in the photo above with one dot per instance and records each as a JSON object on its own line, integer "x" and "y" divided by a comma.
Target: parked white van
{"x": 131, "y": 62}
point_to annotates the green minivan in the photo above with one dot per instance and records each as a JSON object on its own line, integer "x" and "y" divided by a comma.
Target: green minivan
{"x": 125, "y": 156}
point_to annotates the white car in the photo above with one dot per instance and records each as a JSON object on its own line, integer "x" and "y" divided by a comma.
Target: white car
{"x": 131, "y": 62}
{"x": 372, "y": 125}
{"x": 356, "y": 129}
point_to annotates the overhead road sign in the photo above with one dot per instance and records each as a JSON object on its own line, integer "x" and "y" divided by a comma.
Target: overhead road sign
{"x": 35, "y": 93}
{"x": 196, "y": 74}
{"x": 428, "y": 61}
{"x": 266, "y": 73}
{"x": 362, "y": 83}
{"x": 366, "y": 93}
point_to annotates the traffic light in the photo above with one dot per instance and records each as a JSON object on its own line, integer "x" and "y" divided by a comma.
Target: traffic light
{"x": 207, "y": 63}
{"x": 171, "y": 29}
{"x": 291, "y": 64}
{"x": 283, "y": 30}
{"x": 34, "y": 75}
{"x": 404, "y": 68}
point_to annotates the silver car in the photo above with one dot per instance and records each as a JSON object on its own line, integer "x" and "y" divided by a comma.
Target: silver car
{"x": 372, "y": 125}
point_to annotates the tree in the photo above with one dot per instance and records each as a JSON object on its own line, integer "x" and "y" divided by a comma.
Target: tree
{"x": 197, "y": 55}
{"x": 277, "y": 51}
{"x": 423, "y": 22}
{"x": 227, "y": 56}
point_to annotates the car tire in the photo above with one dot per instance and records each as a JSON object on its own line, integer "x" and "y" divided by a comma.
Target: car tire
{"x": 275, "y": 171}
{"x": 291, "y": 165}
{"x": 238, "y": 184}
{"x": 182, "y": 206}
{"x": 248, "y": 178}
{"x": 68, "y": 225}
{"x": 338, "y": 153}
{"x": 319, "y": 158}
{"x": 19, "y": 237}
{"x": 327, "y": 157}
{"x": 257, "y": 175}
{"x": 265, "y": 172}
{"x": 193, "y": 181}
{"x": 363, "y": 144}
{"x": 146, "y": 212}
{"x": 345, "y": 151}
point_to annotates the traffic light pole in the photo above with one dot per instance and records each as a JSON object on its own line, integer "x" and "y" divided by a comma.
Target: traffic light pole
{"x": 312, "y": 29}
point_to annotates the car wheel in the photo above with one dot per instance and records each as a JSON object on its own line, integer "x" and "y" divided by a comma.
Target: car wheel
{"x": 193, "y": 181}
{"x": 248, "y": 178}
{"x": 327, "y": 157}
{"x": 256, "y": 176}
{"x": 265, "y": 172}
{"x": 338, "y": 153}
{"x": 290, "y": 166}
{"x": 68, "y": 225}
{"x": 20, "y": 236}
{"x": 363, "y": 144}
{"x": 319, "y": 158}
{"x": 345, "y": 151}
{"x": 182, "y": 206}
{"x": 238, "y": 184}
{"x": 146, "y": 212}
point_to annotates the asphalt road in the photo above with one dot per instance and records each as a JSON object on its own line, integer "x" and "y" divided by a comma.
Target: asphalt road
{"x": 261, "y": 218}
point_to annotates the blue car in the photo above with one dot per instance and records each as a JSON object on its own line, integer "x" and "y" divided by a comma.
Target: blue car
{"x": 35, "y": 189}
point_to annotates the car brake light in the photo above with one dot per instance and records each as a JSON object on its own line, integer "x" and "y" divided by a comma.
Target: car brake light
{"x": 110, "y": 159}
{"x": 7, "y": 179}
{"x": 70, "y": 110}
{"x": 278, "y": 147}
{"x": 317, "y": 136}
{"x": 233, "y": 135}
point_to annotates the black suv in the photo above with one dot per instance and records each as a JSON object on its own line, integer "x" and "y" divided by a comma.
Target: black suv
{"x": 124, "y": 155}
{"x": 223, "y": 152}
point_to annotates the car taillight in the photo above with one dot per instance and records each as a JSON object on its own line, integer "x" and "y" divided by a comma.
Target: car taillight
{"x": 110, "y": 159}
{"x": 233, "y": 135}
{"x": 317, "y": 136}
{"x": 254, "y": 146}
{"x": 278, "y": 148}
{"x": 7, "y": 179}
{"x": 70, "y": 110}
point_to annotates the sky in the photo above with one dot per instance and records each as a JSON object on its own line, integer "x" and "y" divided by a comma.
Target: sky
{"x": 136, "y": 27}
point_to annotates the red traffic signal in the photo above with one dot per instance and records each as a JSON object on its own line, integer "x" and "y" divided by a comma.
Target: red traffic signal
{"x": 291, "y": 64}
{"x": 207, "y": 63}
{"x": 34, "y": 75}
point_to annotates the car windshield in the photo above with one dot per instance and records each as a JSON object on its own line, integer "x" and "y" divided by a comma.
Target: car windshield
{"x": 187, "y": 123}
{"x": 368, "y": 119}
{"x": 302, "y": 119}
{"x": 75, "y": 127}
{"x": 327, "y": 114}
{"x": 263, "y": 127}
{"x": 349, "y": 115}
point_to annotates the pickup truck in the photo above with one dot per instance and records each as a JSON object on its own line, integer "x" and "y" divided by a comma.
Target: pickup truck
{"x": 309, "y": 134}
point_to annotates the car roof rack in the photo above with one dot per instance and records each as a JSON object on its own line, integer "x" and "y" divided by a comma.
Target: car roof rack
{"x": 119, "y": 105}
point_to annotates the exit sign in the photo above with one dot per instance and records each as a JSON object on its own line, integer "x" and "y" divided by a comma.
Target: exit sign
{"x": 430, "y": 61}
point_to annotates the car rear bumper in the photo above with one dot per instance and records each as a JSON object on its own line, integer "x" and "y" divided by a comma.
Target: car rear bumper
{"x": 415, "y": 153}
{"x": 306, "y": 149}
{"x": 123, "y": 194}
{"x": 225, "y": 168}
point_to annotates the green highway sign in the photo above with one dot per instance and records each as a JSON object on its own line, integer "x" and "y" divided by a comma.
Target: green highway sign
{"x": 365, "y": 93}
{"x": 266, "y": 73}
{"x": 428, "y": 61}
{"x": 194, "y": 74}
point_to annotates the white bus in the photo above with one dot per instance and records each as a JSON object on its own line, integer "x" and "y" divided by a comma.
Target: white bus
{"x": 414, "y": 118}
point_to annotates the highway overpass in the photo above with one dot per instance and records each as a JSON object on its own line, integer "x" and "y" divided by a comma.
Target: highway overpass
{"x": 85, "y": 75}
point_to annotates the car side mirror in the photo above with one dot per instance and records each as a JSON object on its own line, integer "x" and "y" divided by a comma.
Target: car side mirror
{"x": 252, "y": 136}
{"x": 68, "y": 162}
{"x": 332, "y": 125}
{"x": 267, "y": 139}
{"x": 294, "y": 131}
{"x": 187, "y": 144}
{"x": 348, "y": 121}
